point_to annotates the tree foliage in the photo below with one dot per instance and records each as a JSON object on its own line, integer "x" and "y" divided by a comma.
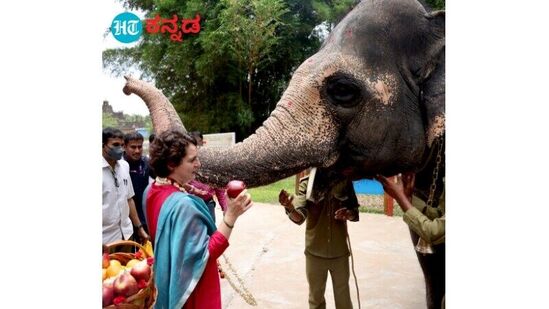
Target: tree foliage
{"x": 110, "y": 121}
{"x": 229, "y": 76}
{"x": 437, "y": 4}
{"x": 123, "y": 121}
{"x": 331, "y": 12}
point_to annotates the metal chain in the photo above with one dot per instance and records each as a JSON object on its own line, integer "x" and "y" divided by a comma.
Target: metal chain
{"x": 244, "y": 293}
{"x": 435, "y": 173}
{"x": 422, "y": 246}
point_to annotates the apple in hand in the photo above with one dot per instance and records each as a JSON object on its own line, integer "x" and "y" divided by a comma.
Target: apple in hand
{"x": 234, "y": 187}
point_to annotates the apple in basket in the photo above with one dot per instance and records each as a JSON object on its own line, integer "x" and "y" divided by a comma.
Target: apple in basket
{"x": 108, "y": 291}
{"x": 234, "y": 187}
{"x": 125, "y": 285}
{"x": 141, "y": 270}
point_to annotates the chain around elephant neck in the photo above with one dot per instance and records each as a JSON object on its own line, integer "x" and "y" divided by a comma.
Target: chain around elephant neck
{"x": 435, "y": 172}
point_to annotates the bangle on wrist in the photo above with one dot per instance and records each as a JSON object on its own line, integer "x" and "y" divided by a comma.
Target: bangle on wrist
{"x": 227, "y": 224}
{"x": 140, "y": 225}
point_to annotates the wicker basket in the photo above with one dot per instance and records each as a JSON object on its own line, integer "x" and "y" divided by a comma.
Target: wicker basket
{"x": 145, "y": 298}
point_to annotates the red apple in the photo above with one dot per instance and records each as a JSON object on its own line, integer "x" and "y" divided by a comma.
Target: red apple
{"x": 141, "y": 270}
{"x": 234, "y": 187}
{"x": 125, "y": 285}
{"x": 108, "y": 295}
{"x": 108, "y": 292}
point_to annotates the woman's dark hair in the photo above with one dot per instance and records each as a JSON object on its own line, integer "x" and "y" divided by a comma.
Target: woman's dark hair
{"x": 168, "y": 148}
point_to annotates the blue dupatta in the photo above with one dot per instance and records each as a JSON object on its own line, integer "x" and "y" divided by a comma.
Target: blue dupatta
{"x": 181, "y": 248}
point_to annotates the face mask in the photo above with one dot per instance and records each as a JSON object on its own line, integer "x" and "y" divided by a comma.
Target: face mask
{"x": 115, "y": 152}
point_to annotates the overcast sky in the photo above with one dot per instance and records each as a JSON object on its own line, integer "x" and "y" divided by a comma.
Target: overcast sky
{"x": 112, "y": 86}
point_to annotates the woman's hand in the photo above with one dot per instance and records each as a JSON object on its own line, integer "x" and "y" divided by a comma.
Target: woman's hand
{"x": 238, "y": 206}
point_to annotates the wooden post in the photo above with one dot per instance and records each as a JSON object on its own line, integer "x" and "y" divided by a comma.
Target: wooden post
{"x": 388, "y": 201}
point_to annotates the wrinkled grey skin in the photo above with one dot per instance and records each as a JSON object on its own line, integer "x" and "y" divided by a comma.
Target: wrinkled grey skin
{"x": 370, "y": 101}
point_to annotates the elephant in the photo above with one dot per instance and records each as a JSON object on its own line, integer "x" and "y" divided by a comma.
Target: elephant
{"x": 370, "y": 101}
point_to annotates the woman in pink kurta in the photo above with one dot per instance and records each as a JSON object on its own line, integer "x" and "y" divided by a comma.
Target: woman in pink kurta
{"x": 187, "y": 243}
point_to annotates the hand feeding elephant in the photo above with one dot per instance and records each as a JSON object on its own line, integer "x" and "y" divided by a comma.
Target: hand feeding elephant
{"x": 370, "y": 101}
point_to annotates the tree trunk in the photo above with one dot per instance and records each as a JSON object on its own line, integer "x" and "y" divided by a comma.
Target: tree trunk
{"x": 250, "y": 72}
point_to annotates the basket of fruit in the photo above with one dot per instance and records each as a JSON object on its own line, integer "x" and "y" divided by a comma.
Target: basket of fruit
{"x": 128, "y": 278}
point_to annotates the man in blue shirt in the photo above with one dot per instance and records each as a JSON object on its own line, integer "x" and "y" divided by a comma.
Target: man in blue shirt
{"x": 139, "y": 171}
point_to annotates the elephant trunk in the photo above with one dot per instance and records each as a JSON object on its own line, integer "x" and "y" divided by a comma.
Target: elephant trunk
{"x": 278, "y": 149}
{"x": 295, "y": 136}
{"x": 163, "y": 114}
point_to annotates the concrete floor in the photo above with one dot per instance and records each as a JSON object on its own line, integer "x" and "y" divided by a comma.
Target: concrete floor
{"x": 267, "y": 253}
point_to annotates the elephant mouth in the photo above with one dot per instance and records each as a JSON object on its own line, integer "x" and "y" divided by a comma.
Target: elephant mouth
{"x": 353, "y": 152}
{"x": 354, "y": 162}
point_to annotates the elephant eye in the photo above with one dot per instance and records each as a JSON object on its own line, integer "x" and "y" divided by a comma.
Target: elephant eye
{"x": 343, "y": 90}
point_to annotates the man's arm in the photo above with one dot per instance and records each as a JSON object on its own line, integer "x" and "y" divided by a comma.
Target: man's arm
{"x": 297, "y": 216}
{"x": 295, "y": 206}
{"x": 431, "y": 230}
{"x": 135, "y": 220}
{"x": 350, "y": 205}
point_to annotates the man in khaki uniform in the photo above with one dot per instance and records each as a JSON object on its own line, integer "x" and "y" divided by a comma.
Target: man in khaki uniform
{"x": 427, "y": 223}
{"x": 325, "y": 238}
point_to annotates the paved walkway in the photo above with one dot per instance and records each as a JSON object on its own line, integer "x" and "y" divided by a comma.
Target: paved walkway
{"x": 267, "y": 252}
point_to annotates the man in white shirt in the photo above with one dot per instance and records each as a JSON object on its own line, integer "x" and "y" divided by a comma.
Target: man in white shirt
{"x": 118, "y": 206}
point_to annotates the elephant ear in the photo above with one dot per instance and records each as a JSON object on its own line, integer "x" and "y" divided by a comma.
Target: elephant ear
{"x": 432, "y": 78}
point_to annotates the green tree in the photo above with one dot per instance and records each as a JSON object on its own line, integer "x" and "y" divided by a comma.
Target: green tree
{"x": 331, "y": 12}
{"x": 230, "y": 75}
{"x": 250, "y": 28}
{"x": 437, "y": 4}
{"x": 110, "y": 121}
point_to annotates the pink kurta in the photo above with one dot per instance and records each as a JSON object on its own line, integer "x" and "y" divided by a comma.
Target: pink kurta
{"x": 207, "y": 293}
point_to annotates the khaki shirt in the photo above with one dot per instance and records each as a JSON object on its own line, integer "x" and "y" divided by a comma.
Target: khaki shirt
{"x": 427, "y": 222}
{"x": 324, "y": 235}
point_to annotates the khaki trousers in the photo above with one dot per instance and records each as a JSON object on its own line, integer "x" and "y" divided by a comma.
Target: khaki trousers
{"x": 317, "y": 273}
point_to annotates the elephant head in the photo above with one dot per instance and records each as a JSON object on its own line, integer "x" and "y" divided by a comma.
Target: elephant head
{"x": 371, "y": 100}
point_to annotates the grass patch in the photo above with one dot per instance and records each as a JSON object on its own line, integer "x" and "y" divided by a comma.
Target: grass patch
{"x": 269, "y": 193}
{"x": 373, "y": 203}
{"x": 397, "y": 212}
